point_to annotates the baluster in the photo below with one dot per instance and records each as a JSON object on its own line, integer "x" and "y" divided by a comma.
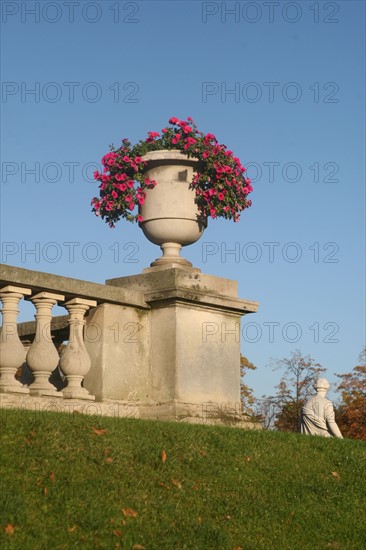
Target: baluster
{"x": 42, "y": 357}
{"x": 24, "y": 374}
{"x": 12, "y": 352}
{"x": 75, "y": 361}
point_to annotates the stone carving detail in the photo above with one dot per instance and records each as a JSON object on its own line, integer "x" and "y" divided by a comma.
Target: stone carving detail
{"x": 317, "y": 415}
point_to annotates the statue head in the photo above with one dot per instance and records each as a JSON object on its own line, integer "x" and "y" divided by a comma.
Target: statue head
{"x": 322, "y": 384}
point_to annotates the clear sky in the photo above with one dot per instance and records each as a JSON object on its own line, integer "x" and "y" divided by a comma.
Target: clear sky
{"x": 282, "y": 84}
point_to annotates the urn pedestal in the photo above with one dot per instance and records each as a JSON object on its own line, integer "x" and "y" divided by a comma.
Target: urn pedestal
{"x": 179, "y": 356}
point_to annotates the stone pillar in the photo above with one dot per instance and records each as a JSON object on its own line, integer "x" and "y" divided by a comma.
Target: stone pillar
{"x": 185, "y": 359}
{"x": 42, "y": 357}
{"x": 12, "y": 352}
{"x": 75, "y": 361}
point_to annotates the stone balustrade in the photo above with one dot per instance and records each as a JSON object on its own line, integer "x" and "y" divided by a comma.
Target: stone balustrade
{"x": 40, "y": 355}
{"x": 166, "y": 341}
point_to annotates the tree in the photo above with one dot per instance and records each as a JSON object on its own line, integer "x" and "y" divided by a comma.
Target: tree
{"x": 283, "y": 410}
{"x": 351, "y": 413}
{"x": 246, "y": 393}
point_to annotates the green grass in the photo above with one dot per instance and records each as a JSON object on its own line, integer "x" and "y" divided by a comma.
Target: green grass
{"x": 63, "y": 486}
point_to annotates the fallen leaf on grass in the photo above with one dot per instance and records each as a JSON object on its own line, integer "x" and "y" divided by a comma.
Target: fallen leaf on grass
{"x": 238, "y": 548}
{"x": 163, "y": 456}
{"x": 45, "y": 491}
{"x": 129, "y": 513}
{"x": 98, "y": 431}
{"x": 165, "y": 486}
{"x": 72, "y": 529}
{"x": 336, "y": 475}
{"x": 177, "y": 483}
{"x": 117, "y": 532}
{"x": 248, "y": 458}
{"x": 9, "y": 529}
{"x": 202, "y": 452}
{"x": 109, "y": 459}
{"x": 52, "y": 477}
{"x": 138, "y": 547}
{"x": 289, "y": 518}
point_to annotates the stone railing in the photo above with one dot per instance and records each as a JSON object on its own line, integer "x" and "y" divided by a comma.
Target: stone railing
{"x": 164, "y": 344}
{"x": 33, "y": 345}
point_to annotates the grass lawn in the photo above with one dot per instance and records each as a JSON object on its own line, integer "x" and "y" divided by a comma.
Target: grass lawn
{"x": 74, "y": 481}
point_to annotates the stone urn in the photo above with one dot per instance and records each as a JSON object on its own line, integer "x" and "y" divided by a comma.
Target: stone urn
{"x": 170, "y": 214}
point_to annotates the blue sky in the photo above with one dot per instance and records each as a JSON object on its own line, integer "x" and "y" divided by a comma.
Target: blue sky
{"x": 282, "y": 84}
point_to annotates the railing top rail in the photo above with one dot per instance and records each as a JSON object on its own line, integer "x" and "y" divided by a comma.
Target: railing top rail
{"x": 39, "y": 281}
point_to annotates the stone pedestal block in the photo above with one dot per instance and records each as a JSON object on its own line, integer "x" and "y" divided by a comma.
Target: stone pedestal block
{"x": 180, "y": 356}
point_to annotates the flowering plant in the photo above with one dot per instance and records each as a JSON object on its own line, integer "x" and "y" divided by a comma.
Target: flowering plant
{"x": 220, "y": 186}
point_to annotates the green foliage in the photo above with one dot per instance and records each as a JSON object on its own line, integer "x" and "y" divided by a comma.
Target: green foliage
{"x": 246, "y": 393}
{"x": 92, "y": 482}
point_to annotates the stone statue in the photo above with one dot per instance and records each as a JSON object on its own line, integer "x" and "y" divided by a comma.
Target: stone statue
{"x": 317, "y": 414}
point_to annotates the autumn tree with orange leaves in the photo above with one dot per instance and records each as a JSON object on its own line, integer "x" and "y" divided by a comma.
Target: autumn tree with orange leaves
{"x": 351, "y": 413}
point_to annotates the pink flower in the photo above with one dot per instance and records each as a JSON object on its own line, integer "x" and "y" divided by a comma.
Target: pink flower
{"x": 114, "y": 194}
{"x": 121, "y": 177}
{"x": 140, "y": 200}
{"x": 221, "y": 196}
{"x": 190, "y": 140}
{"x": 213, "y": 212}
{"x": 130, "y": 184}
{"x": 109, "y": 158}
{"x": 128, "y": 198}
{"x": 121, "y": 186}
{"x": 210, "y": 137}
{"x": 173, "y": 120}
{"x": 154, "y": 134}
{"x": 176, "y": 138}
{"x": 140, "y": 218}
{"x": 131, "y": 206}
{"x": 138, "y": 160}
{"x": 186, "y": 129}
